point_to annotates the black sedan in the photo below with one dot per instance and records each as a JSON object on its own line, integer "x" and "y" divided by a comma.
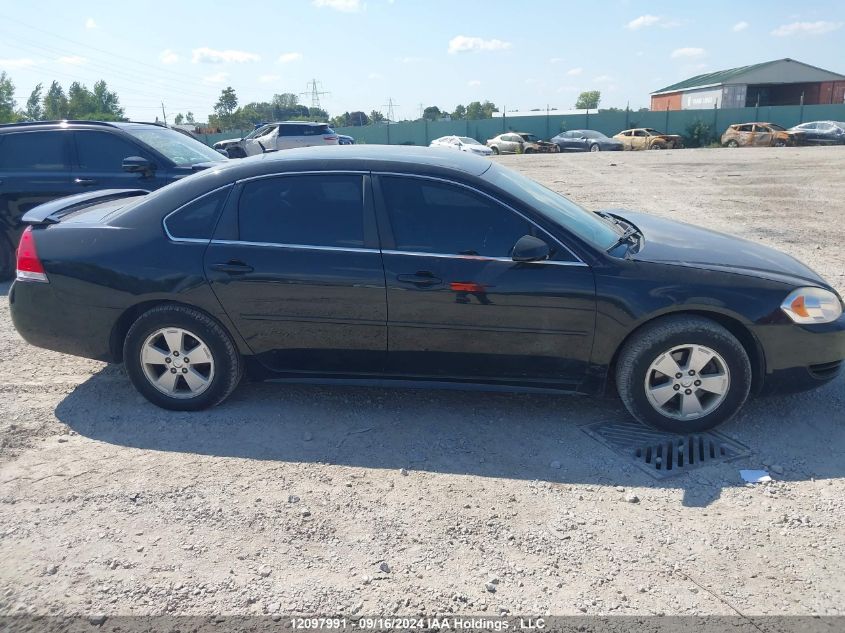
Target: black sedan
{"x": 586, "y": 141}
{"x": 417, "y": 266}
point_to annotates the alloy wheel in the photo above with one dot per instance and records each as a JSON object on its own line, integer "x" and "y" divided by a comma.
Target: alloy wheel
{"x": 687, "y": 382}
{"x": 177, "y": 362}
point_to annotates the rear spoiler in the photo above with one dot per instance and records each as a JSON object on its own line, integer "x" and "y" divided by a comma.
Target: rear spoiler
{"x": 52, "y": 212}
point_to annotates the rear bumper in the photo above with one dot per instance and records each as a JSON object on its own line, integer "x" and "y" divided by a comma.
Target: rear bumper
{"x": 45, "y": 319}
{"x": 801, "y": 357}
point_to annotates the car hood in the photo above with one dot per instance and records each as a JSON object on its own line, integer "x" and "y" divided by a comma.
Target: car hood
{"x": 227, "y": 141}
{"x": 671, "y": 242}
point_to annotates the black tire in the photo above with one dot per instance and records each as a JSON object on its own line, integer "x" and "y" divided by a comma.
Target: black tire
{"x": 664, "y": 334}
{"x": 529, "y": 151}
{"x": 228, "y": 366}
{"x": 732, "y": 143}
{"x": 7, "y": 259}
{"x": 595, "y": 147}
{"x": 780, "y": 143}
{"x": 495, "y": 150}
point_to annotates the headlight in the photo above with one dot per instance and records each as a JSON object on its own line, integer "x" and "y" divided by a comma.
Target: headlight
{"x": 812, "y": 305}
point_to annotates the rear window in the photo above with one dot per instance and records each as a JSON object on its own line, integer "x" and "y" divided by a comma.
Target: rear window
{"x": 196, "y": 220}
{"x": 37, "y": 151}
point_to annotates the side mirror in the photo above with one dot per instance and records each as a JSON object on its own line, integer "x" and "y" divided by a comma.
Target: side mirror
{"x": 136, "y": 164}
{"x": 530, "y": 249}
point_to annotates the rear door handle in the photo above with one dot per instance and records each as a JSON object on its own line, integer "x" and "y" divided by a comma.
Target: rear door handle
{"x": 421, "y": 279}
{"x": 233, "y": 268}
{"x": 85, "y": 182}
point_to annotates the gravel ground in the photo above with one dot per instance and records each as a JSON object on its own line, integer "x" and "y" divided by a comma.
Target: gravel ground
{"x": 352, "y": 500}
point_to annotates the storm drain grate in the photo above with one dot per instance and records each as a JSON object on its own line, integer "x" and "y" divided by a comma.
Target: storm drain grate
{"x": 662, "y": 454}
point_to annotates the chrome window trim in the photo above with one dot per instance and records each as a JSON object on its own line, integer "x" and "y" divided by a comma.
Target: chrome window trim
{"x": 554, "y": 240}
{"x": 309, "y": 247}
{"x": 190, "y": 240}
{"x": 310, "y": 172}
{"x": 482, "y": 258}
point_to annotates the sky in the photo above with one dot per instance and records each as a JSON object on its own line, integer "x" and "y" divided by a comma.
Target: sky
{"x": 365, "y": 53}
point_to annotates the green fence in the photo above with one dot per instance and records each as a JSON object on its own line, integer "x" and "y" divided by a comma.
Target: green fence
{"x": 610, "y": 123}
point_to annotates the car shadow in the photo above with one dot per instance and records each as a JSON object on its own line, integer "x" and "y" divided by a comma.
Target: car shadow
{"x": 4, "y": 288}
{"x": 514, "y": 436}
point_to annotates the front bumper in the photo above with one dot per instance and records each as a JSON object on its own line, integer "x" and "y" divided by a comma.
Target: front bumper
{"x": 801, "y": 357}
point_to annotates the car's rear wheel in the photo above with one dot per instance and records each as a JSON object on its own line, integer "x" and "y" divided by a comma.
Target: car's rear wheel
{"x": 529, "y": 150}
{"x": 180, "y": 358}
{"x": 780, "y": 143}
{"x": 732, "y": 143}
{"x": 683, "y": 374}
{"x": 656, "y": 146}
{"x": 595, "y": 147}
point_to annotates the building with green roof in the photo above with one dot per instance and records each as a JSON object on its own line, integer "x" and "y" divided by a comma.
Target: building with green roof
{"x": 779, "y": 82}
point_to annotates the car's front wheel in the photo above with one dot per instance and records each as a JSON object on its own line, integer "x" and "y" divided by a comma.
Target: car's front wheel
{"x": 595, "y": 147}
{"x": 683, "y": 374}
{"x": 180, "y": 358}
{"x": 495, "y": 150}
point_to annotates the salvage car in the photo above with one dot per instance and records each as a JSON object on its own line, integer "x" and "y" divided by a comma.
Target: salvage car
{"x": 586, "y": 141}
{"x": 761, "y": 135}
{"x": 648, "y": 138}
{"x": 417, "y": 267}
{"x": 821, "y": 132}
{"x": 461, "y": 143}
{"x": 278, "y": 136}
{"x": 520, "y": 143}
{"x": 43, "y": 160}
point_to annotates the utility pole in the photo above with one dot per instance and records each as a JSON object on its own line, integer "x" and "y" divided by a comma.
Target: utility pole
{"x": 390, "y": 114}
{"x": 422, "y": 109}
{"x": 163, "y": 115}
{"x": 314, "y": 90}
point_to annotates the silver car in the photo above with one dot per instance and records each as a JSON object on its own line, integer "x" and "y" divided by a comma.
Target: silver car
{"x": 463, "y": 144}
{"x": 277, "y": 136}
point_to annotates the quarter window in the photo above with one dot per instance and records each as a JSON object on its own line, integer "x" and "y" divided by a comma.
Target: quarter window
{"x": 310, "y": 210}
{"x": 196, "y": 221}
{"x": 39, "y": 151}
{"x": 434, "y": 217}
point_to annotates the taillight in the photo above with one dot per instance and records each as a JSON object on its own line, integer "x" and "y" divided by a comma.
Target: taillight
{"x": 28, "y": 265}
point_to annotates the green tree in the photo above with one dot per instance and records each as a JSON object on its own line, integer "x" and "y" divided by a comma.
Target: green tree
{"x": 189, "y": 118}
{"x": 227, "y": 102}
{"x": 377, "y": 117}
{"x": 106, "y": 102}
{"x": 55, "y": 103}
{"x": 588, "y": 100}
{"x": 81, "y": 103}
{"x": 460, "y": 112}
{"x": 432, "y": 113}
{"x": 34, "y": 110}
{"x": 179, "y": 120}
{"x": 477, "y": 110}
{"x": 358, "y": 118}
{"x": 7, "y": 99}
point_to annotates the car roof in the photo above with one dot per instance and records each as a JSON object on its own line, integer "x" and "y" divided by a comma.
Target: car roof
{"x": 61, "y": 124}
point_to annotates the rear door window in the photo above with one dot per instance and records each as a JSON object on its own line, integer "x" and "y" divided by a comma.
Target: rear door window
{"x": 103, "y": 152}
{"x": 290, "y": 130}
{"x": 310, "y": 210}
{"x": 36, "y": 151}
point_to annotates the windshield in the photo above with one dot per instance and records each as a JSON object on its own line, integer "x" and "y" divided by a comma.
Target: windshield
{"x": 775, "y": 126}
{"x": 592, "y": 134}
{"x": 653, "y": 132}
{"x": 468, "y": 141}
{"x": 531, "y": 138}
{"x": 181, "y": 149}
{"x": 260, "y": 131}
{"x": 555, "y": 207}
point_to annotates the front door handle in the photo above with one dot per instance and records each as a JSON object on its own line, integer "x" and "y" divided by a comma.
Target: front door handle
{"x": 232, "y": 267}
{"x": 421, "y": 279}
{"x": 85, "y": 182}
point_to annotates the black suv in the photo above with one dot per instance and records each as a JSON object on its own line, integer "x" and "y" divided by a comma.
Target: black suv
{"x": 41, "y": 161}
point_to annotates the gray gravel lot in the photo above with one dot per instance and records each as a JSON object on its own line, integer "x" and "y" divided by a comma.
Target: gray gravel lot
{"x": 343, "y": 500}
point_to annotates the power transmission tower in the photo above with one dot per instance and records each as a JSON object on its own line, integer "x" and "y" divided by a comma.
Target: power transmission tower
{"x": 314, "y": 91}
{"x": 390, "y": 109}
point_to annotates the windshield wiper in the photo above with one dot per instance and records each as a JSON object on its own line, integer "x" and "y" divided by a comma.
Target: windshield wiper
{"x": 631, "y": 235}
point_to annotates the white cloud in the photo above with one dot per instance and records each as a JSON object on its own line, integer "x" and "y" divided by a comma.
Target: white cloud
{"x": 286, "y": 58}
{"x": 647, "y": 20}
{"x": 806, "y": 28}
{"x": 20, "y": 62}
{"x": 375, "y": 76}
{"x": 268, "y": 79}
{"x": 574, "y": 72}
{"x": 689, "y": 52}
{"x": 464, "y": 43}
{"x": 90, "y": 23}
{"x": 216, "y": 78}
{"x": 740, "y": 26}
{"x": 72, "y": 60}
{"x": 473, "y": 83}
{"x": 207, "y": 55}
{"x": 556, "y": 60}
{"x": 346, "y": 6}
{"x": 167, "y": 56}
